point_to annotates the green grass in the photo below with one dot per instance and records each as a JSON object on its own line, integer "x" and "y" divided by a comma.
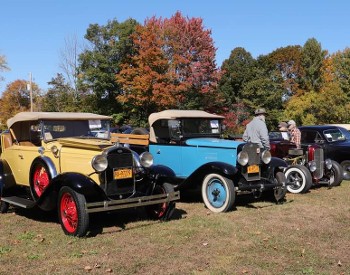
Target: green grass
{"x": 308, "y": 234}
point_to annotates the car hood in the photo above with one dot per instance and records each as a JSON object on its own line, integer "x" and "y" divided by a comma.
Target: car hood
{"x": 213, "y": 142}
{"x": 91, "y": 144}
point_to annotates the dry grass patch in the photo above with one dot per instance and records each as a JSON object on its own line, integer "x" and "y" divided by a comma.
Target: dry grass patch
{"x": 308, "y": 234}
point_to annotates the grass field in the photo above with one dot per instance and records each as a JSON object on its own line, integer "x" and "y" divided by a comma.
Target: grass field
{"x": 308, "y": 234}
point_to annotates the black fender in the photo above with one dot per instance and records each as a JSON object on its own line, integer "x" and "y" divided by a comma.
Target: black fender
{"x": 78, "y": 182}
{"x": 49, "y": 164}
{"x": 6, "y": 177}
{"x": 275, "y": 165}
{"x": 161, "y": 174}
{"x": 196, "y": 178}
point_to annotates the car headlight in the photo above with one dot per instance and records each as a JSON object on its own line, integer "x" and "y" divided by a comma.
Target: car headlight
{"x": 243, "y": 158}
{"x": 146, "y": 159}
{"x": 312, "y": 166}
{"x": 266, "y": 157}
{"x": 99, "y": 163}
{"x": 328, "y": 164}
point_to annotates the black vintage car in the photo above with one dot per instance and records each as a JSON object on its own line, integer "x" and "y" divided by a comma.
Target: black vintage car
{"x": 334, "y": 140}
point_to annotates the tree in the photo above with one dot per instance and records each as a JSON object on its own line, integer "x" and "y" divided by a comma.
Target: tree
{"x": 3, "y": 65}
{"x": 109, "y": 45}
{"x": 239, "y": 69}
{"x": 312, "y": 59}
{"x": 59, "y": 97}
{"x": 284, "y": 65}
{"x": 341, "y": 69}
{"x": 173, "y": 67}
{"x": 16, "y": 98}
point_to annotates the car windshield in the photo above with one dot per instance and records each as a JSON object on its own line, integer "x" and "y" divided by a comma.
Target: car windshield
{"x": 333, "y": 135}
{"x": 200, "y": 126}
{"x": 75, "y": 128}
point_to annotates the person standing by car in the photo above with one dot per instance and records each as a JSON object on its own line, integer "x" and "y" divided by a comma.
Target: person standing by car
{"x": 256, "y": 130}
{"x": 295, "y": 134}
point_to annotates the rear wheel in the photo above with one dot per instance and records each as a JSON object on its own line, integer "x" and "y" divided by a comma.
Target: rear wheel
{"x": 40, "y": 178}
{"x": 335, "y": 175}
{"x": 164, "y": 210}
{"x": 4, "y": 207}
{"x": 218, "y": 193}
{"x": 72, "y": 215}
{"x": 346, "y": 169}
{"x": 299, "y": 179}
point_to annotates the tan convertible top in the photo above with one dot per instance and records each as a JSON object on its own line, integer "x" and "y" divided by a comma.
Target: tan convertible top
{"x": 176, "y": 114}
{"x": 32, "y": 116}
{"x": 173, "y": 114}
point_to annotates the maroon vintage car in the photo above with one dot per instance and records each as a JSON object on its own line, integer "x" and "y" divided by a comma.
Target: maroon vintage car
{"x": 307, "y": 166}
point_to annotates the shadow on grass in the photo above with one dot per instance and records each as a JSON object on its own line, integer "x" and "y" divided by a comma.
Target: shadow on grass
{"x": 100, "y": 221}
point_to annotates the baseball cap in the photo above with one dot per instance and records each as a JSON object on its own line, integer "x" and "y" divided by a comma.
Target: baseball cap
{"x": 291, "y": 122}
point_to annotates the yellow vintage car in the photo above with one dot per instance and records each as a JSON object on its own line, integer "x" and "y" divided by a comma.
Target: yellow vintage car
{"x": 66, "y": 161}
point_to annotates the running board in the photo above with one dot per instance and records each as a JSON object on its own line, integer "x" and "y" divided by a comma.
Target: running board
{"x": 18, "y": 201}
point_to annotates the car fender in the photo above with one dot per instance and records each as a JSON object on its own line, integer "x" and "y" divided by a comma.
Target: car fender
{"x": 49, "y": 163}
{"x": 162, "y": 173}
{"x": 277, "y": 162}
{"x": 6, "y": 177}
{"x": 196, "y": 178}
{"x": 78, "y": 182}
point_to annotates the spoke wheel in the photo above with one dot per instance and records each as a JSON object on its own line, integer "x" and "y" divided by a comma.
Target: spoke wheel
{"x": 40, "y": 179}
{"x": 73, "y": 217}
{"x": 162, "y": 211}
{"x": 218, "y": 193}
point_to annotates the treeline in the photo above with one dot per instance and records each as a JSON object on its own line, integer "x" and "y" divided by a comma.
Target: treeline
{"x": 129, "y": 70}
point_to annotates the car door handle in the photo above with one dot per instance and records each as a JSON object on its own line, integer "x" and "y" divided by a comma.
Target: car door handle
{"x": 20, "y": 156}
{"x": 158, "y": 151}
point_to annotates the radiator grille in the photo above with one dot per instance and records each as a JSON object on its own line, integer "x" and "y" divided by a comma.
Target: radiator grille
{"x": 253, "y": 151}
{"x": 318, "y": 174}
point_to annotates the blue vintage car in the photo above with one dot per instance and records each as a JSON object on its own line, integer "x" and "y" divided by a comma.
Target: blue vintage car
{"x": 190, "y": 144}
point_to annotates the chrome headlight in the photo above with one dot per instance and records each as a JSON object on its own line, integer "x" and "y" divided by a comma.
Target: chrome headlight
{"x": 266, "y": 157}
{"x": 243, "y": 158}
{"x": 146, "y": 159}
{"x": 328, "y": 164}
{"x": 312, "y": 166}
{"x": 99, "y": 163}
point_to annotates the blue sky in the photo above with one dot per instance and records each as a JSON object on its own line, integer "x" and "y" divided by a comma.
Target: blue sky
{"x": 32, "y": 33}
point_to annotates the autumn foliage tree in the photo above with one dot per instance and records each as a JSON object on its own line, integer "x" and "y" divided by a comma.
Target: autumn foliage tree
{"x": 15, "y": 98}
{"x": 173, "y": 67}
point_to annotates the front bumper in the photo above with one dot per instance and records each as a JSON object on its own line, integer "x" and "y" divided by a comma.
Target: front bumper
{"x": 94, "y": 207}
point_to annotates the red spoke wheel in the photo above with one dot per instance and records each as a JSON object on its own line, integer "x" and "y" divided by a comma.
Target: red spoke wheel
{"x": 72, "y": 215}
{"x": 40, "y": 179}
{"x": 162, "y": 211}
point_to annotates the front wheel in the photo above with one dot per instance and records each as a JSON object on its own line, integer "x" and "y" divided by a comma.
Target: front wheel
{"x": 299, "y": 179}
{"x": 335, "y": 175}
{"x": 281, "y": 190}
{"x": 165, "y": 210}
{"x": 72, "y": 215}
{"x": 218, "y": 193}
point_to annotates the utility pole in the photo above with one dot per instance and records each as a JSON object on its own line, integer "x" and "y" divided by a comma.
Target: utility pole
{"x": 30, "y": 92}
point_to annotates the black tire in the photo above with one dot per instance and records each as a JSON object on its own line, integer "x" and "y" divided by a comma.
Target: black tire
{"x": 72, "y": 215}
{"x": 280, "y": 191}
{"x": 139, "y": 131}
{"x": 299, "y": 179}
{"x": 218, "y": 193}
{"x": 335, "y": 175}
{"x": 4, "y": 207}
{"x": 346, "y": 169}
{"x": 163, "y": 211}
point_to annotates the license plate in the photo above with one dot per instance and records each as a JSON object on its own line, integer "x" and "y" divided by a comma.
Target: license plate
{"x": 253, "y": 169}
{"x": 122, "y": 174}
